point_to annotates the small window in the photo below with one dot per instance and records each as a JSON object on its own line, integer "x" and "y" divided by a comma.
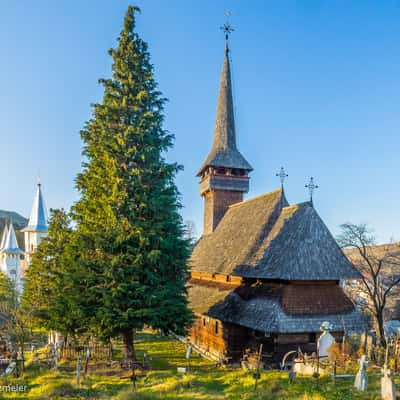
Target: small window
{"x": 228, "y": 278}
{"x": 214, "y": 276}
{"x": 204, "y": 322}
{"x": 216, "y": 327}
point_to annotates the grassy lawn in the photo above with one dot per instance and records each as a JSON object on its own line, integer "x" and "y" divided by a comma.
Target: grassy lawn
{"x": 163, "y": 382}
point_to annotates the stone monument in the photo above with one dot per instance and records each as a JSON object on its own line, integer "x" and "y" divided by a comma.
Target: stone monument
{"x": 361, "y": 381}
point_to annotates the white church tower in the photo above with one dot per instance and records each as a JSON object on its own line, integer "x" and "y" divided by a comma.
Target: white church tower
{"x": 37, "y": 227}
{"x": 10, "y": 255}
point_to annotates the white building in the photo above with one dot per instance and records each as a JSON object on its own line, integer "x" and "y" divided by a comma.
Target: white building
{"x": 37, "y": 226}
{"x": 13, "y": 260}
{"x": 10, "y": 255}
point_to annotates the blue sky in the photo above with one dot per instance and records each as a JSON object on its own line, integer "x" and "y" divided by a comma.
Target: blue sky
{"x": 316, "y": 89}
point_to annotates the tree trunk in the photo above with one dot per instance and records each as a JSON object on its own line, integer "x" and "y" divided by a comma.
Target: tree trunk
{"x": 381, "y": 329}
{"x": 129, "y": 348}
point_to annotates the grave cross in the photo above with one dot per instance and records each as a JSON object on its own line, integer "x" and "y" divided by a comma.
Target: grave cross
{"x": 311, "y": 186}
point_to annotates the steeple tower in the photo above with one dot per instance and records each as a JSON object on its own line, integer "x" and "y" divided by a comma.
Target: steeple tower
{"x": 10, "y": 255}
{"x": 37, "y": 227}
{"x": 224, "y": 174}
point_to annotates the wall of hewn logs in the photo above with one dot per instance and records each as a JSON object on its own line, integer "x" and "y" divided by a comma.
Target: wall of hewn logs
{"x": 225, "y": 341}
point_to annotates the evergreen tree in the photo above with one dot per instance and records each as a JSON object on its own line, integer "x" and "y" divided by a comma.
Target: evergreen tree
{"x": 16, "y": 321}
{"x": 52, "y": 289}
{"x": 127, "y": 217}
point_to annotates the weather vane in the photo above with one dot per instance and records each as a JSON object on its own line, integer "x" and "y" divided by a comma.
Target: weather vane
{"x": 282, "y": 176}
{"x": 311, "y": 186}
{"x": 226, "y": 28}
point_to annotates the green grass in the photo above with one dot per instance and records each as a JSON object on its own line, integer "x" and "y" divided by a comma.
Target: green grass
{"x": 164, "y": 383}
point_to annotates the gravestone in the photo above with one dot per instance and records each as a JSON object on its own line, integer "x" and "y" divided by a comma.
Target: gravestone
{"x": 388, "y": 389}
{"x": 361, "y": 381}
{"x": 325, "y": 341}
{"x": 11, "y": 368}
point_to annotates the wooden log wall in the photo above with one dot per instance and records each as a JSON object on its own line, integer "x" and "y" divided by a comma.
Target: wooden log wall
{"x": 226, "y": 341}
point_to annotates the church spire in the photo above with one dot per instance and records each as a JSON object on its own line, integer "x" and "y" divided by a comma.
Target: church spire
{"x": 224, "y": 174}
{"x": 37, "y": 227}
{"x": 38, "y": 218}
{"x": 224, "y": 152}
{"x": 11, "y": 244}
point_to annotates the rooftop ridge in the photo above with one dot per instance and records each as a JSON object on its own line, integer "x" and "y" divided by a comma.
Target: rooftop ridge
{"x": 257, "y": 198}
{"x": 298, "y": 205}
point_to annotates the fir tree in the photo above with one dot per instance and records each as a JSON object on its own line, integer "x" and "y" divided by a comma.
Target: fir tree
{"x": 128, "y": 223}
{"x": 16, "y": 322}
{"x": 52, "y": 292}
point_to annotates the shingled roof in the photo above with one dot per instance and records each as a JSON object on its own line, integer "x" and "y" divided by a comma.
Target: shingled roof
{"x": 267, "y": 239}
{"x": 238, "y": 235}
{"x": 268, "y": 309}
{"x": 224, "y": 152}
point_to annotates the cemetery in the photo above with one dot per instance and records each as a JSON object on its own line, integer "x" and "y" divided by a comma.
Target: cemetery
{"x": 163, "y": 371}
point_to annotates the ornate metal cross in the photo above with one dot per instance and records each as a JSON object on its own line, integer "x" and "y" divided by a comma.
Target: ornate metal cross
{"x": 282, "y": 176}
{"x": 226, "y": 28}
{"x": 311, "y": 186}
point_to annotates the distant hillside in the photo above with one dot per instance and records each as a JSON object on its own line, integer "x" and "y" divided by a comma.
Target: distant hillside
{"x": 19, "y": 222}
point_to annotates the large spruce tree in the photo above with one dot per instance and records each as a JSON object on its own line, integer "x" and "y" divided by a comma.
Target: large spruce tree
{"x": 128, "y": 224}
{"x": 53, "y": 288}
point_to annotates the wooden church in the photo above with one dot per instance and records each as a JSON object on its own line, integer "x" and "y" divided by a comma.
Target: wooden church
{"x": 264, "y": 271}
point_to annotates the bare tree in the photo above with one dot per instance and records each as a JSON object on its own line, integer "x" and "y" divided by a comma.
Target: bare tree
{"x": 191, "y": 232}
{"x": 379, "y": 267}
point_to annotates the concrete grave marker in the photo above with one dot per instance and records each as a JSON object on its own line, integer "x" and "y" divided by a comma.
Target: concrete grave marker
{"x": 325, "y": 341}
{"x": 388, "y": 389}
{"x": 361, "y": 381}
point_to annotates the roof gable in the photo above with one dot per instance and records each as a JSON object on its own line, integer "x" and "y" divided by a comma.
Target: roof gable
{"x": 267, "y": 239}
{"x": 299, "y": 247}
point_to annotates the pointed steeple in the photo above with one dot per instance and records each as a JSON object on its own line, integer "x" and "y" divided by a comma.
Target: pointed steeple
{"x": 4, "y": 237}
{"x": 38, "y": 218}
{"x": 224, "y": 175}
{"x": 11, "y": 242}
{"x": 224, "y": 152}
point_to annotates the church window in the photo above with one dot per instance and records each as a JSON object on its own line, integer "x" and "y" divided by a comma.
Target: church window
{"x": 228, "y": 278}
{"x": 216, "y": 327}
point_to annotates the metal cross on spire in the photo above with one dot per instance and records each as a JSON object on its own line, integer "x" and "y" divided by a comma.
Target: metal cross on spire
{"x": 226, "y": 28}
{"x": 311, "y": 186}
{"x": 282, "y": 176}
